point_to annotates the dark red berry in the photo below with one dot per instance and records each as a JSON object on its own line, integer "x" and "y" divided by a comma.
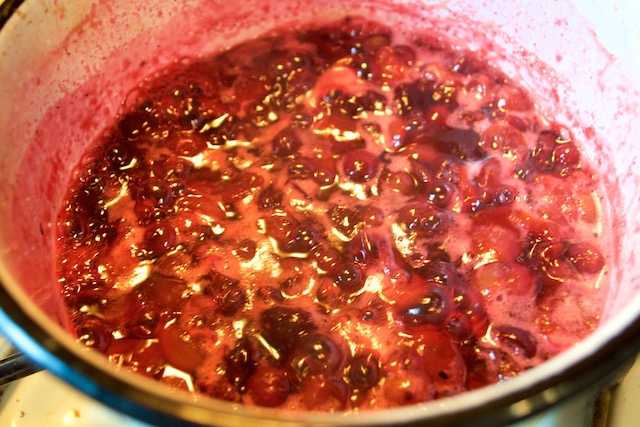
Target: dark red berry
{"x": 423, "y": 219}
{"x": 360, "y": 165}
{"x": 585, "y": 257}
{"x": 226, "y": 292}
{"x": 285, "y": 143}
{"x": 154, "y": 193}
{"x": 239, "y": 363}
{"x": 432, "y": 308}
{"x": 159, "y": 238}
{"x": 315, "y": 354}
{"x": 94, "y": 333}
{"x": 363, "y": 371}
{"x": 349, "y": 278}
{"x": 519, "y": 340}
{"x": 269, "y": 386}
{"x": 246, "y": 249}
{"x": 440, "y": 192}
{"x": 121, "y": 156}
{"x": 461, "y": 143}
{"x": 284, "y": 326}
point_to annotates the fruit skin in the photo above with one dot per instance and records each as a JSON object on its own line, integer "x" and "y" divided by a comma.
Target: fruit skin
{"x": 585, "y": 257}
{"x": 269, "y": 386}
{"x": 283, "y": 326}
{"x": 314, "y": 354}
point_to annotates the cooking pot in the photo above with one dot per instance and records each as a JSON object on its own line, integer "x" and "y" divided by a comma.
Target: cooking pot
{"x": 65, "y": 68}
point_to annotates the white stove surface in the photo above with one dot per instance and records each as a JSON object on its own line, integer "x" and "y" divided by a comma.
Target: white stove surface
{"x": 44, "y": 400}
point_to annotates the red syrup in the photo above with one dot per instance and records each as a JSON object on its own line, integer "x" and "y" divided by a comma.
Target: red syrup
{"x": 329, "y": 219}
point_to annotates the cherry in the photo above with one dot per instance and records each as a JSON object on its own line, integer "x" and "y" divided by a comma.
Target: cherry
{"x": 494, "y": 241}
{"x": 459, "y": 327}
{"x": 363, "y": 248}
{"x": 159, "y": 238}
{"x": 414, "y": 96}
{"x": 94, "y": 333}
{"x": 566, "y": 158}
{"x": 326, "y": 258}
{"x": 505, "y": 139}
{"x": 269, "y": 386}
{"x": 138, "y": 313}
{"x": 443, "y": 273}
{"x": 422, "y": 219}
{"x": 239, "y": 364}
{"x": 166, "y": 290}
{"x": 421, "y": 173}
{"x": 519, "y": 340}
{"x": 147, "y": 358}
{"x": 542, "y": 153}
{"x": 512, "y": 98}
{"x": 585, "y": 257}
{"x": 76, "y": 228}
{"x": 291, "y": 236}
{"x": 349, "y": 278}
{"x": 226, "y": 291}
{"x": 283, "y": 326}
{"x": 363, "y": 371}
{"x": 153, "y": 194}
{"x": 496, "y": 279}
{"x": 461, "y": 143}
{"x": 121, "y": 156}
{"x": 199, "y": 315}
{"x": 246, "y": 249}
{"x": 324, "y": 172}
{"x": 322, "y": 393}
{"x": 179, "y": 348}
{"x": 360, "y": 165}
{"x": 432, "y": 307}
{"x": 134, "y": 124}
{"x": 406, "y": 388}
{"x": 269, "y": 198}
{"x": 541, "y": 253}
{"x": 401, "y": 182}
{"x": 314, "y": 354}
{"x": 372, "y": 216}
{"x": 440, "y": 192}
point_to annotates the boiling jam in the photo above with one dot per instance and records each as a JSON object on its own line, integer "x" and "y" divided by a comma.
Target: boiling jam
{"x": 332, "y": 218}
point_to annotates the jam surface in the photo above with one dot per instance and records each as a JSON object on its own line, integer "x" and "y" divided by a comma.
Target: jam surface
{"x": 332, "y": 218}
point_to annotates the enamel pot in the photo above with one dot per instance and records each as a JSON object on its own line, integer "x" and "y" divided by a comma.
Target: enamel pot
{"x": 65, "y": 67}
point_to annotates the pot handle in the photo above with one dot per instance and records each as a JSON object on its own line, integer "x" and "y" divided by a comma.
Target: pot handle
{"x": 15, "y": 367}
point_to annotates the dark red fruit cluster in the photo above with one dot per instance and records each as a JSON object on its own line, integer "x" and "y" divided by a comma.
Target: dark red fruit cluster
{"x": 332, "y": 218}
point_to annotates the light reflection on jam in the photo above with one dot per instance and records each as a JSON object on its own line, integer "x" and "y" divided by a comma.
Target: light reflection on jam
{"x": 331, "y": 218}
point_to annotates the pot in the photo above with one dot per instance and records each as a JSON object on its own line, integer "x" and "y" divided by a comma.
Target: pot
{"x": 67, "y": 66}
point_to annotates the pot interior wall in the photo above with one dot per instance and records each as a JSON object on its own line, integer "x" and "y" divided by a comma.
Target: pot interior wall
{"x": 66, "y": 90}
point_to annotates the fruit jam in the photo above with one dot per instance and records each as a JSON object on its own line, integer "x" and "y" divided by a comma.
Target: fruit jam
{"x": 332, "y": 218}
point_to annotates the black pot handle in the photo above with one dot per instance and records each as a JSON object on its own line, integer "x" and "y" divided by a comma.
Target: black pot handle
{"x": 15, "y": 367}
